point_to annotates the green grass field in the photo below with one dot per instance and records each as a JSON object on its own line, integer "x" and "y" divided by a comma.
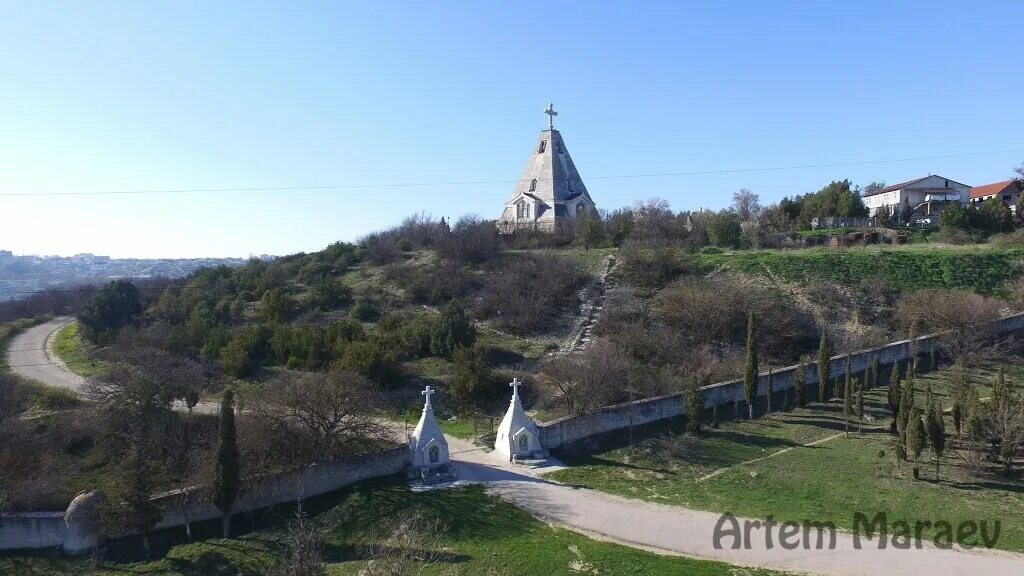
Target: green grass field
{"x": 480, "y": 535}
{"x": 831, "y": 480}
{"x": 982, "y": 268}
{"x": 68, "y": 346}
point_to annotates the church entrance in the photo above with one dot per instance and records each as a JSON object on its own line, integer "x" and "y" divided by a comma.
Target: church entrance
{"x": 523, "y": 443}
{"x": 434, "y": 454}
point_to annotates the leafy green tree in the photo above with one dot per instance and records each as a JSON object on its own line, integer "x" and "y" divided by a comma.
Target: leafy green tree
{"x": 235, "y": 359}
{"x": 452, "y": 329}
{"x": 884, "y": 218}
{"x": 824, "y": 368}
{"x": 115, "y": 306}
{"x": 226, "y": 474}
{"x": 800, "y": 383}
{"x": 995, "y": 216}
{"x": 750, "y": 368}
{"x": 589, "y": 230}
{"x": 723, "y": 229}
{"x": 935, "y": 427}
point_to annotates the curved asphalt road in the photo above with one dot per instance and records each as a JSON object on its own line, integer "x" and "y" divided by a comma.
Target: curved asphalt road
{"x": 680, "y": 531}
{"x": 30, "y": 355}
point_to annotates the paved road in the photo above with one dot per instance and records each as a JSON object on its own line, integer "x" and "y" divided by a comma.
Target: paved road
{"x": 679, "y": 531}
{"x": 29, "y": 355}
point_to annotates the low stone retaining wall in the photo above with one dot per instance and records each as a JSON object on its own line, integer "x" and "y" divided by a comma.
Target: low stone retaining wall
{"x": 564, "y": 432}
{"x": 78, "y": 535}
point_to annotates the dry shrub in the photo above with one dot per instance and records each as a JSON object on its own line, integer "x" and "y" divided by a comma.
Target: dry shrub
{"x": 714, "y": 311}
{"x": 588, "y": 380}
{"x": 963, "y": 316}
{"x": 435, "y": 284}
{"x": 530, "y": 293}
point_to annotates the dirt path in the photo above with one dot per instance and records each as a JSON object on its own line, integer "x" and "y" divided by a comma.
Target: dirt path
{"x": 680, "y": 531}
{"x": 30, "y": 354}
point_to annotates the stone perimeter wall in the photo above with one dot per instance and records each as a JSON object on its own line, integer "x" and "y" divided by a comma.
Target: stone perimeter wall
{"x": 566, "y": 431}
{"x": 49, "y": 529}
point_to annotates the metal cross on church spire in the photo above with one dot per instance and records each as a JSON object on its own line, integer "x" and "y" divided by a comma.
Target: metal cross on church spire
{"x": 515, "y": 384}
{"x": 550, "y": 111}
{"x": 427, "y": 393}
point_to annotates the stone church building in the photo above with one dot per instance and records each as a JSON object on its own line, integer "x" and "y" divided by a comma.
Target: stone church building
{"x": 550, "y": 194}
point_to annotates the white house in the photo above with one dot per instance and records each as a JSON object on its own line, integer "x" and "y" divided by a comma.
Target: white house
{"x": 925, "y": 197}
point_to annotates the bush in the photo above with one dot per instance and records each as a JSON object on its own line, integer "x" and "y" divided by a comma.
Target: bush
{"x": 117, "y": 305}
{"x": 714, "y": 311}
{"x": 530, "y": 293}
{"x": 474, "y": 385}
{"x": 472, "y": 240}
{"x": 364, "y": 311}
{"x": 452, "y": 329}
{"x": 53, "y": 398}
{"x": 650, "y": 262}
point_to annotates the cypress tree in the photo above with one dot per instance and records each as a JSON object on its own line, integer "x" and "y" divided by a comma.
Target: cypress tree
{"x": 860, "y": 409}
{"x": 770, "y": 390}
{"x": 906, "y": 411}
{"x": 846, "y": 377}
{"x": 226, "y": 469}
{"x": 800, "y": 383}
{"x": 824, "y": 370}
{"x": 917, "y": 436}
{"x": 957, "y": 411}
{"x": 893, "y": 400}
{"x": 894, "y": 376}
{"x": 999, "y": 391}
{"x": 847, "y": 404}
{"x": 912, "y": 341}
{"x": 694, "y": 407}
{"x": 874, "y": 374}
{"x": 750, "y": 368}
{"x": 936, "y": 429}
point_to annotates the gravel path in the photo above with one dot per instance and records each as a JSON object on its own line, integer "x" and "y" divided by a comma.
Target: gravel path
{"x": 30, "y": 354}
{"x": 680, "y": 531}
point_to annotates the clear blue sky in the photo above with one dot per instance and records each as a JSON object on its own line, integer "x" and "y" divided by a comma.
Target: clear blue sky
{"x": 147, "y": 95}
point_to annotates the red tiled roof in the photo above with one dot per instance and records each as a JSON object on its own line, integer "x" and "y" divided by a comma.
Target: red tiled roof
{"x": 994, "y": 188}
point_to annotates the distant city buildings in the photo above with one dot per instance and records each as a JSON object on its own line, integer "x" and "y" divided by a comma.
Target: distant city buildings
{"x": 21, "y": 275}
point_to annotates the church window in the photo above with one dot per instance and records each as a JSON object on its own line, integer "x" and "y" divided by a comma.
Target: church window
{"x": 580, "y": 209}
{"x": 435, "y": 454}
{"x": 524, "y": 442}
{"x": 533, "y": 185}
{"x": 543, "y": 146}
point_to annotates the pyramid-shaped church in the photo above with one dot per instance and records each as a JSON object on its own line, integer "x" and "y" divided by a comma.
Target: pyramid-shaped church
{"x": 550, "y": 194}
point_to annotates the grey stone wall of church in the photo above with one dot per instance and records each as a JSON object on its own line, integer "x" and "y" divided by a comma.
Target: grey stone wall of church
{"x": 564, "y": 432}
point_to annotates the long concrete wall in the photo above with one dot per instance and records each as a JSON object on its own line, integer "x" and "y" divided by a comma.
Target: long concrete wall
{"x": 52, "y": 529}
{"x": 564, "y": 432}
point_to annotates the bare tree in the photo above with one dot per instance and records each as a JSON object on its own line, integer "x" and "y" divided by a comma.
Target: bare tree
{"x": 588, "y": 380}
{"x": 304, "y": 548}
{"x": 317, "y": 416}
{"x": 404, "y": 546}
{"x": 746, "y": 204}
{"x": 961, "y": 315}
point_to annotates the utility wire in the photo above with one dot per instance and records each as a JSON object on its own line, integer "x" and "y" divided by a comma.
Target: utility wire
{"x": 485, "y": 182}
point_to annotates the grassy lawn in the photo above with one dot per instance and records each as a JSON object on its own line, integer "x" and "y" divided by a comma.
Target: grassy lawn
{"x": 982, "y": 268}
{"x": 828, "y": 481}
{"x": 480, "y": 536}
{"x": 70, "y": 348}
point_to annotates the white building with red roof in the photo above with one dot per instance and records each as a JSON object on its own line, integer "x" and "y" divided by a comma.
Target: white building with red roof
{"x": 1006, "y": 190}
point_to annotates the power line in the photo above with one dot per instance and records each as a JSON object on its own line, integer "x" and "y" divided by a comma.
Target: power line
{"x": 486, "y": 182}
